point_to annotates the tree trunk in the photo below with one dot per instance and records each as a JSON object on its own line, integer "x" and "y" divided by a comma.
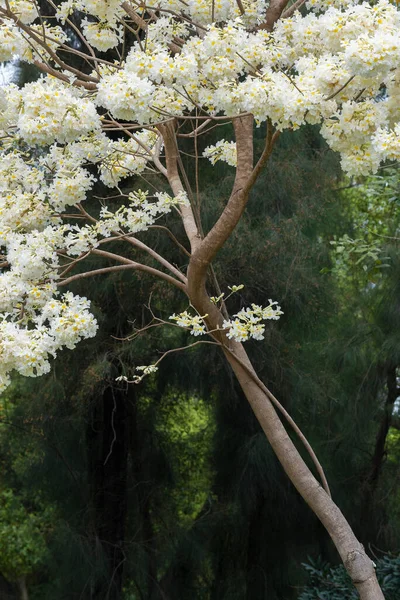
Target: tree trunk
{"x": 380, "y": 444}
{"x": 372, "y": 514}
{"x": 23, "y": 590}
{"x": 107, "y": 438}
{"x": 358, "y": 565}
{"x": 203, "y": 250}
{"x": 353, "y": 555}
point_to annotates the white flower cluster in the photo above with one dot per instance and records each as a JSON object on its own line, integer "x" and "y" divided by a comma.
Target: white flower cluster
{"x": 104, "y": 32}
{"x": 144, "y": 369}
{"x": 14, "y": 42}
{"x": 22, "y": 203}
{"x": 194, "y": 323}
{"x": 222, "y": 150}
{"x": 164, "y": 30}
{"x": 10, "y": 99}
{"x": 33, "y": 193}
{"x": 327, "y": 68}
{"x": 69, "y": 182}
{"x": 132, "y": 98}
{"x": 324, "y": 5}
{"x": 25, "y": 10}
{"x": 35, "y": 323}
{"x": 139, "y": 215}
{"x": 52, "y": 112}
{"x": 126, "y": 158}
{"x": 205, "y": 12}
{"x": 248, "y": 322}
{"x": 102, "y": 35}
{"x": 28, "y": 350}
{"x": 387, "y": 142}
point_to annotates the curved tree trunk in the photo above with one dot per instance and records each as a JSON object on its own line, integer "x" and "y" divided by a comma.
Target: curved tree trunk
{"x": 352, "y": 553}
{"x": 203, "y": 251}
{"x": 357, "y": 563}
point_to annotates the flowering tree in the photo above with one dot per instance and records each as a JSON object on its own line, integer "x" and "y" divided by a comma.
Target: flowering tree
{"x": 178, "y": 69}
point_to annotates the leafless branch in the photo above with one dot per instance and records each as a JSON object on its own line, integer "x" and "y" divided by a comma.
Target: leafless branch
{"x": 292, "y": 9}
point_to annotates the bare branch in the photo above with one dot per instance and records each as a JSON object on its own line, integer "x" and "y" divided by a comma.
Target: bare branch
{"x": 95, "y": 272}
{"x": 167, "y": 130}
{"x": 172, "y": 350}
{"x": 78, "y": 82}
{"x": 292, "y": 9}
{"x": 121, "y": 259}
{"x": 340, "y": 89}
{"x": 141, "y": 267}
{"x": 173, "y": 238}
{"x": 135, "y": 242}
{"x": 195, "y": 132}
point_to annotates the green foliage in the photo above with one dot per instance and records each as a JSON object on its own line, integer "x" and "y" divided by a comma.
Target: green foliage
{"x": 351, "y": 253}
{"x": 388, "y": 569}
{"x": 186, "y": 426}
{"x": 333, "y": 583}
{"x": 327, "y": 582}
{"x": 23, "y": 533}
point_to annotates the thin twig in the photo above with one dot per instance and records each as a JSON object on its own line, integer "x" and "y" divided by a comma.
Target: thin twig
{"x": 340, "y": 89}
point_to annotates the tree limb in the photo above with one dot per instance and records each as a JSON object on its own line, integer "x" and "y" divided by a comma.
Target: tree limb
{"x": 133, "y": 265}
{"x": 273, "y": 14}
{"x": 167, "y": 131}
{"x": 237, "y": 202}
{"x": 292, "y": 9}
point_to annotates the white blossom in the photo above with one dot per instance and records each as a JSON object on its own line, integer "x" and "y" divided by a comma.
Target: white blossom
{"x": 222, "y": 150}
{"x": 194, "y": 323}
{"x": 335, "y": 66}
{"x": 247, "y": 323}
{"x": 50, "y": 111}
{"x": 25, "y": 9}
{"x": 101, "y": 35}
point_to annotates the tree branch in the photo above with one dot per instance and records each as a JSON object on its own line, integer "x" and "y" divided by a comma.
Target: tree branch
{"x": 237, "y": 202}
{"x": 273, "y": 14}
{"x": 292, "y": 9}
{"x": 135, "y": 242}
{"x": 95, "y": 272}
{"x": 167, "y": 131}
{"x": 287, "y": 416}
{"x": 128, "y": 263}
{"x": 173, "y": 238}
